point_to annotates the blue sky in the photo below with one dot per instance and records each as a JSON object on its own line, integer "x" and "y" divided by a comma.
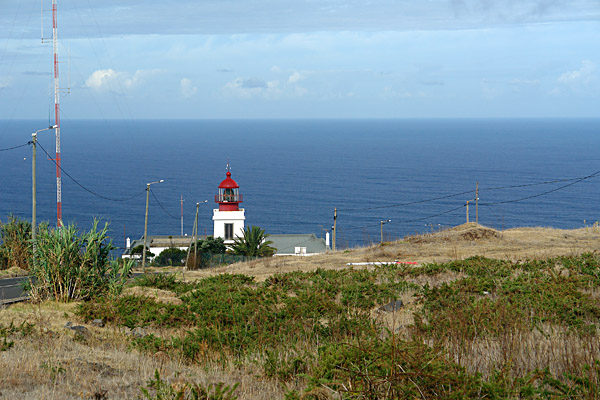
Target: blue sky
{"x": 304, "y": 59}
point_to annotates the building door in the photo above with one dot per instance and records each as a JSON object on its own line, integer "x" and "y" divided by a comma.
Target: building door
{"x": 228, "y": 231}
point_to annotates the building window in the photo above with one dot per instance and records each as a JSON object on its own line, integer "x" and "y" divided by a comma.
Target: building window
{"x": 228, "y": 231}
{"x": 300, "y": 250}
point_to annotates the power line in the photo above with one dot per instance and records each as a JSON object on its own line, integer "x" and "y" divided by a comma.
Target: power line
{"x": 409, "y": 203}
{"x": 575, "y": 180}
{"x": 432, "y": 216}
{"x": 17, "y": 147}
{"x": 408, "y": 220}
{"x": 161, "y": 206}
{"x": 85, "y": 188}
{"x": 543, "y": 193}
{"x": 535, "y": 184}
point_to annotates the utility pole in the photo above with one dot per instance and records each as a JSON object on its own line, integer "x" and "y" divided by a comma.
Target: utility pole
{"x": 146, "y": 224}
{"x": 383, "y": 222}
{"x": 181, "y": 215}
{"x": 34, "y": 185}
{"x": 33, "y": 188}
{"x": 334, "y": 229}
{"x": 33, "y": 193}
{"x": 194, "y": 233}
{"x": 468, "y": 211}
{"x": 477, "y": 202}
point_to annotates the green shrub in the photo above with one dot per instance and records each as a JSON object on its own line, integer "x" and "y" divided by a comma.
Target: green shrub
{"x": 211, "y": 245}
{"x": 170, "y": 257}
{"x": 139, "y": 250}
{"x": 159, "y": 389}
{"x": 16, "y": 249}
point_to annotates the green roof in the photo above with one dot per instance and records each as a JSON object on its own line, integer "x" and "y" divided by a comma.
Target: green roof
{"x": 287, "y": 243}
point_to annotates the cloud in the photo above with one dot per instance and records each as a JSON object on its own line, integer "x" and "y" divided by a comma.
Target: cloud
{"x": 524, "y": 82}
{"x": 579, "y": 81}
{"x": 187, "y": 88}
{"x": 432, "y": 83}
{"x": 5, "y": 82}
{"x": 111, "y": 80}
{"x": 390, "y": 92}
{"x": 101, "y": 78}
{"x": 584, "y": 75}
{"x": 251, "y": 83}
{"x": 295, "y": 77}
{"x": 252, "y": 87}
{"x": 518, "y": 85}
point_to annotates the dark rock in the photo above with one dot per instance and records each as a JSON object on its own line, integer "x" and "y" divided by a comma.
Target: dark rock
{"x": 79, "y": 328}
{"x": 98, "y": 322}
{"x": 138, "y": 332}
{"x": 392, "y": 306}
{"x": 98, "y": 368}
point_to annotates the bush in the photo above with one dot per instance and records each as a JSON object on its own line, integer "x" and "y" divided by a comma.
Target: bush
{"x": 76, "y": 266}
{"x": 139, "y": 249}
{"x": 211, "y": 245}
{"x": 171, "y": 256}
{"x": 15, "y": 250}
{"x": 201, "y": 254}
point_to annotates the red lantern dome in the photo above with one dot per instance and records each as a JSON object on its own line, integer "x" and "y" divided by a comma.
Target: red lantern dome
{"x": 228, "y": 197}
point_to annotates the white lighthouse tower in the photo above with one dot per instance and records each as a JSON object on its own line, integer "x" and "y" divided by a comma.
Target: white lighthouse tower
{"x": 229, "y": 217}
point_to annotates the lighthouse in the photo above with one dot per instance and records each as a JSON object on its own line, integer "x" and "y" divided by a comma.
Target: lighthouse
{"x": 229, "y": 218}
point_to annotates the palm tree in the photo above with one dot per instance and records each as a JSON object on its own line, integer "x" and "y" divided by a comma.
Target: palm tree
{"x": 253, "y": 243}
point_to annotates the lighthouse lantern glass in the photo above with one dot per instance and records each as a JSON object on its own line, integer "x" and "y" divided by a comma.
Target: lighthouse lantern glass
{"x": 229, "y": 194}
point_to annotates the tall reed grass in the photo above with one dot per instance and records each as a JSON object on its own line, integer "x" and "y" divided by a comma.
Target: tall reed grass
{"x": 75, "y": 265}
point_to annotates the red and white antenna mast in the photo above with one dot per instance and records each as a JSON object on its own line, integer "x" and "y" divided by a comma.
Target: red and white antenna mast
{"x": 56, "y": 116}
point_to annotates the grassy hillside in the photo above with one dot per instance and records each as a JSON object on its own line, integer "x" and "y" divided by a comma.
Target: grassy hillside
{"x": 470, "y": 326}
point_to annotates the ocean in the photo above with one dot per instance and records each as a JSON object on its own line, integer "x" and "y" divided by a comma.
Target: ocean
{"x": 418, "y": 173}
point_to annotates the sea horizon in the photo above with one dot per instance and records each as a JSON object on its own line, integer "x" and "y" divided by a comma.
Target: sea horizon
{"x": 293, "y": 173}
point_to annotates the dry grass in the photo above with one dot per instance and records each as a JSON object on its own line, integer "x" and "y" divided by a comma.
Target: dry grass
{"x": 460, "y": 242}
{"x": 13, "y": 272}
{"x": 161, "y": 296}
{"x": 52, "y": 363}
{"x": 522, "y": 351}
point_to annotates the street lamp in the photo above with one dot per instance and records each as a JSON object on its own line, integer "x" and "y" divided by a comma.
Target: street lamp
{"x": 34, "y": 184}
{"x": 383, "y": 222}
{"x": 146, "y": 224}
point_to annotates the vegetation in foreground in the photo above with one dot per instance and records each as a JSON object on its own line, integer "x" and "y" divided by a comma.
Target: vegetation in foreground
{"x": 473, "y": 328}
{"x": 482, "y": 328}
